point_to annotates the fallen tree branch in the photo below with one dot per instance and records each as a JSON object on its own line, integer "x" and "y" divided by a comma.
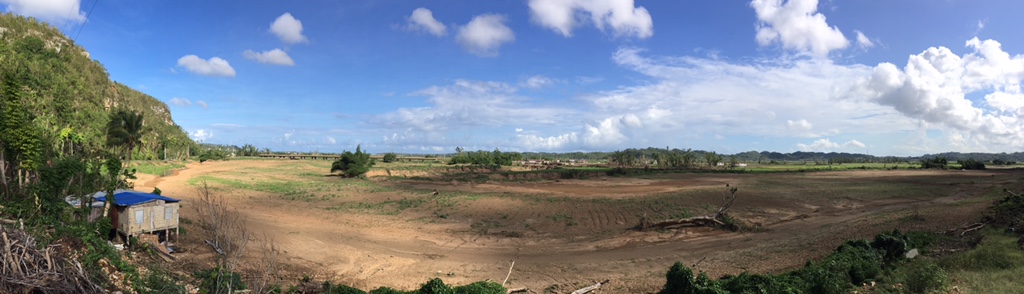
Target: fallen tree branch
{"x": 1011, "y": 193}
{"x": 697, "y": 221}
{"x": 509, "y": 272}
{"x": 215, "y": 247}
{"x": 974, "y": 228}
{"x": 587, "y": 289}
{"x": 698, "y": 262}
{"x": 518, "y": 290}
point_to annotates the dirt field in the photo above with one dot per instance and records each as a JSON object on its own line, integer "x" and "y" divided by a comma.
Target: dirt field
{"x": 565, "y": 234}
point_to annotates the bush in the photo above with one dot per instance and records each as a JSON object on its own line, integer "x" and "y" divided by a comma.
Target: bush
{"x": 390, "y": 157}
{"x": 892, "y": 245}
{"x": 938, "y": 162}
{"x": 972, "y": 164}
{"x": 921, "y": 276}
{"x": 435, "y": 286}
{"x": 386, "y": 290}
{"x": 219, "y": 281}
{"x": 353, "y": 164}
{"x": 340, "y": 289}
{"x": 481, "y": 288}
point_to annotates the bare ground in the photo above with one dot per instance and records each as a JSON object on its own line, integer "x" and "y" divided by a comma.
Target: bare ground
{"x": 565, "y": 234}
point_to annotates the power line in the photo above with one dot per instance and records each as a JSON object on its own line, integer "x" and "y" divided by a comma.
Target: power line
{"x": 87, "y": 16}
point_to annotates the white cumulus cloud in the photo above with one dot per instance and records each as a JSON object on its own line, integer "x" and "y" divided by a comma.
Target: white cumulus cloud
{"x": 288, "y": 29}
{"x": 201, "y": 135}
{"x": 215, "y": 66}
{"x": 484, "y": 34}
{"x": 202, "y": 104}
{"x": 423, "y": 20}
{"x": 275, "y": 57}
{"x": 797, "y": 25}
{"x": 934, "y": 85}
{"x": 621, "y": 16}
{"x": 58, "y": 12}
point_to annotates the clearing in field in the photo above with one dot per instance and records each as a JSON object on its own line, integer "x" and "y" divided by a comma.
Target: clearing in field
{"x": 564, "y": 233}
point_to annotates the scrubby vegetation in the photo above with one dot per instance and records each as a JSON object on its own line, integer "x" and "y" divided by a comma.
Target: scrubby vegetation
{"x": 495, "y": 158}
{"x": 353, "y": 165}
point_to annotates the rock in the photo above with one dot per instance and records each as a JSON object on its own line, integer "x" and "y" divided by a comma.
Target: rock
{"x": 912, "y": 253}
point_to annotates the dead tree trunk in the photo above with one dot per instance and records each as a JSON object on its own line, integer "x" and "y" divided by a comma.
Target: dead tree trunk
{"x": 590, "y": 288}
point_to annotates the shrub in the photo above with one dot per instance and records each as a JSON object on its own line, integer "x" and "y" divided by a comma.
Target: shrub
{"x": 938, "y": 162}
{"x": 386, "y": 290}
{"x": 390, "y": 157}
{"x": 481, "y": 288}
{"x": 340, "y": 289}
{"x": 219, "y": 281}
{"x": 921, "y": 276}
{"x": 353, "y": 164}
{"x": 435, "y": 286}
{"x": 972, "y": 164}
{"x": 892, "y": 245}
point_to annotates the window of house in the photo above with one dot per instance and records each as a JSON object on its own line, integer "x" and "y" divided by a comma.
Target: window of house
{"x": 139, "y": 216}
{"x": 168, "y": 213}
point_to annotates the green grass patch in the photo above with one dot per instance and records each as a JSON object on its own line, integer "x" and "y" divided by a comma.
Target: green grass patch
{"x": 157, "y": 168}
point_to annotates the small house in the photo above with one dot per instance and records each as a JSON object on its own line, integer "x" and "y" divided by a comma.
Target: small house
{"x": 139, "y": 213}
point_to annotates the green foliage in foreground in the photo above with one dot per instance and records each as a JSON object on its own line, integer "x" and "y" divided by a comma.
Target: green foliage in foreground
{"x": 853, "y": 264}
{"x": 434, "y": 286}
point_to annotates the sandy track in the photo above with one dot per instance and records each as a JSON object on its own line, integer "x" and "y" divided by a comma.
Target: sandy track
{"x": 369, "y": 250}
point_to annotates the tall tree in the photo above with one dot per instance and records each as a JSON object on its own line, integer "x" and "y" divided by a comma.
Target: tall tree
{"x": 125, "y": 130}
{"x": 19, "y": 141}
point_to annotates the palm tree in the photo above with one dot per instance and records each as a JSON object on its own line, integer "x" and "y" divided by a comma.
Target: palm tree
{"x": 125, "y": 130}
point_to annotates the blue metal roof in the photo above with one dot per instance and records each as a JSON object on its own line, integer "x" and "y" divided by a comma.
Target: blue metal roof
{"x": 129, "y": 198}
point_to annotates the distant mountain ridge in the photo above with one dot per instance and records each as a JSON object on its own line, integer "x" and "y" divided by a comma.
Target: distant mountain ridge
{"x": 70, "y": 96}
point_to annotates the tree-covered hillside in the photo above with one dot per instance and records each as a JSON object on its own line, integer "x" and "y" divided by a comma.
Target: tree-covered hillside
{"x": 69, "y": 97}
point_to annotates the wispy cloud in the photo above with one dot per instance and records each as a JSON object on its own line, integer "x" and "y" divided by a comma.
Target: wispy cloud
{"x": 275, "y": 57}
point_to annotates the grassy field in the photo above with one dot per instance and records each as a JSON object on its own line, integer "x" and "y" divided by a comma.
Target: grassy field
{"x": 155, "y": 167}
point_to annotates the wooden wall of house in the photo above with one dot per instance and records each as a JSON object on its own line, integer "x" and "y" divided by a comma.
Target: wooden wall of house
{"x": 149, "y": 217}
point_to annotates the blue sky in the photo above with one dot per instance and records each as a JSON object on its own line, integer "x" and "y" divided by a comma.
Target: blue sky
{"x": 884, "y": 77}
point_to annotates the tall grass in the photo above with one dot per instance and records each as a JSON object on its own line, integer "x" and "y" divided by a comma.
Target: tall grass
{"x": 995, "y": 266}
